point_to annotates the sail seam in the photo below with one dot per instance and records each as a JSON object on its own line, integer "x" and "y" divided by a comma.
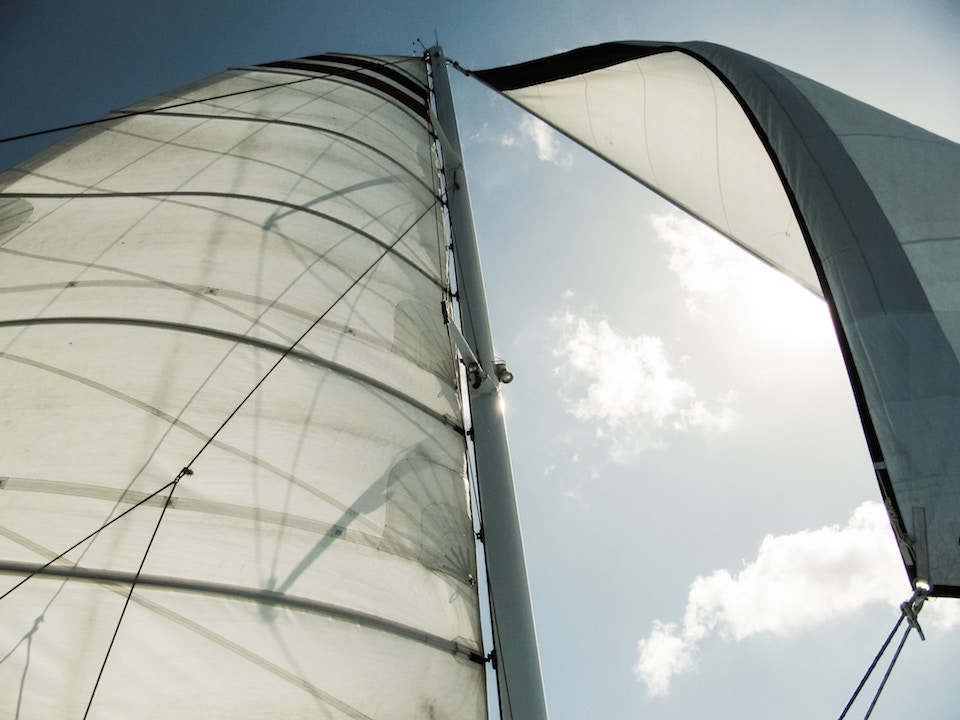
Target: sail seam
{"x": 175, "y": 421}
{"x": 120, "y": 496}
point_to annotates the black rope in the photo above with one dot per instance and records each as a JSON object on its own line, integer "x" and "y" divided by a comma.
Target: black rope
{"x": 887, "y": 673}
{"x": 389, "y": 248}
{"x": 81, "y": 542}
{"x": 866, "y": 676}
{"x": 187, "y": 469}
{"x": 133, "y": 584}
{"x": 120, "y": 115}
{"x": 134, "y": 113}
{"x": 908, "y": 611}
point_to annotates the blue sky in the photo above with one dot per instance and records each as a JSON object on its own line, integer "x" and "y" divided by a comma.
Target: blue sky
{"x": 755, "y": 440}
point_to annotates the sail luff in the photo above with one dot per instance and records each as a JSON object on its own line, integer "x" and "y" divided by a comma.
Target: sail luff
{"x": 518, "y": 663}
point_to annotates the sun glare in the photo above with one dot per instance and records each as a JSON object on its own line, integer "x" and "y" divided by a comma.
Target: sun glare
{"x": 783, "y": 310}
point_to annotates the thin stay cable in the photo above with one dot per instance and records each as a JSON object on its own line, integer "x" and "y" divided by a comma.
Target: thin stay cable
{"x": 886, "y": 675}
{"x": 866, "y": 676}
{"x": 77, "y": 544}
{"x": 187, "y": 468}
{"x": 386, "y": 251}
{"x": 909, "y": 610}
{"x": 126, "y": 604}
{"x": 121, "y": 114}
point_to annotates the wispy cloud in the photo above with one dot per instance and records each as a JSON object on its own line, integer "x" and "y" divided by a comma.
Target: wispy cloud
{"x": 544, "y": 138}
{"x": 708, "y": 265}
{"x": 796, "y": 582}
{"x": 629, "y": 386}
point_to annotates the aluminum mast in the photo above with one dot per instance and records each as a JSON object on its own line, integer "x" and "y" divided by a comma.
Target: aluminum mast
{"x": 515, "y": 640}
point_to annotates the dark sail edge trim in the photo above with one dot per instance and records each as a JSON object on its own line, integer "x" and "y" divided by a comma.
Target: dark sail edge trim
{"x": 417, "y": 105}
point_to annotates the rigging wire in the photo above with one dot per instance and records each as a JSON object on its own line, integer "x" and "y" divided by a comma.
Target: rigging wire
{"x": 187, "y": 468}
{"x": 908, "y": 611}
{"x": 886, "y": 675}
{"x": 77, "y": 544}
{"x": 120, "y": 115}
{"x": 866, "y": 676}
{"x": 151, "y": 111}
{"x": 133, "y": 584}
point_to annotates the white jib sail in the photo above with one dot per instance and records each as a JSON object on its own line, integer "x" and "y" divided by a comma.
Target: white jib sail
{"x": 846, "y": 199}
{"x": 319, "y": 559}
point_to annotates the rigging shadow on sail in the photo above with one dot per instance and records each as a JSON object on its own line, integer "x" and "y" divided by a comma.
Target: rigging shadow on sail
{"x": 278, "y": 215}
{"x": 147, "y": 302}
{"x": 420, "y": 498}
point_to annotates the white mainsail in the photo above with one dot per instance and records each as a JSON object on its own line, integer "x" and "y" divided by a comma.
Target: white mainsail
{"x": 225, "y": 363}
{"x": 847, "y": 199}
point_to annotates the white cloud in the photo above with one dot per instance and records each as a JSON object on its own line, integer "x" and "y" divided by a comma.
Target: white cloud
{"x": 796, "y": 582}
{"x": 941, "y": 614}
{"x": 546, "y": 140}
{"x": 629, "y": 386}
{"x": 708, "y": 265}
{"x": 662, "y": 656}
{"x": 712, "y": 269}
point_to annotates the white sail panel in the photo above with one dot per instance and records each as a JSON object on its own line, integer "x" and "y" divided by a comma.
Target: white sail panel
{"x": 873, "y": 199}
{"x": 319, "y": 559}
{"x": 671, "y": 123}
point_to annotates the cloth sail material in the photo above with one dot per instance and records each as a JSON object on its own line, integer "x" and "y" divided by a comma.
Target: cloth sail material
{"x": 319, "y": 558}
{"x": 850, "y": 201}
